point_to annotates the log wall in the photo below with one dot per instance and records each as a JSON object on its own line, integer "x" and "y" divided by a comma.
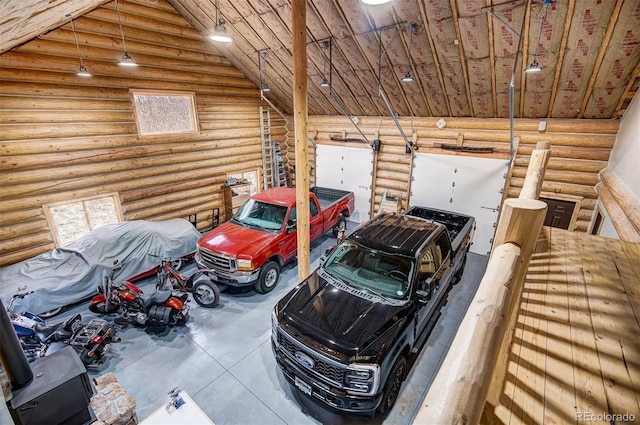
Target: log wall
{"x": 579, "y": 150}
{"x": 65, "y": 137}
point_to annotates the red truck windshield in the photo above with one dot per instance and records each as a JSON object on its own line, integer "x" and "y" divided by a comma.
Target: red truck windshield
{"x": 260, "y": 215}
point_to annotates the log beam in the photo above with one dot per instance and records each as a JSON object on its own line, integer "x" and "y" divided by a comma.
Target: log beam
{"x": 624, "y": 227}
{"x": 536, "y": 170}
{"x": 458, "y": 391}
{"x": 624, "y": 198}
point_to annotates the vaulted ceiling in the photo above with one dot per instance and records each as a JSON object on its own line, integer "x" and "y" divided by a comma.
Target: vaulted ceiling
{"x": 461, "y": 53}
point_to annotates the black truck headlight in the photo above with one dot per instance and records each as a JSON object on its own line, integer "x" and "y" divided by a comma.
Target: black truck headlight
{"x": 362, "y": 379}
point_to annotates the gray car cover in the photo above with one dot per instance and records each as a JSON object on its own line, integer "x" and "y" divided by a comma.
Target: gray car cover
{"x": 71, "y": 274}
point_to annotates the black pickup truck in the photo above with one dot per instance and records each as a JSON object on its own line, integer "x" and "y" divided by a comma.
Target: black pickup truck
{"x": 342, "y": 336}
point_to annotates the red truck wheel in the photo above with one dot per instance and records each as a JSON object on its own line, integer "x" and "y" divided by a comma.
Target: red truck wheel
{"x": 341, "y": 226}
{"x": 268, "y": 278}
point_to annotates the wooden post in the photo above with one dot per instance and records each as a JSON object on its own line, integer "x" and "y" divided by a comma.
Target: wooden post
{"x": 458, "y": 392}
{"x": 300, "y": 110}
{"x": 536, "y": 170}
{"x": 520, "y": 223}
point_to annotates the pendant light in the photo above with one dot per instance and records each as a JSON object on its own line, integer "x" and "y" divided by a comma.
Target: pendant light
{"x": 262, "y": 70}
{"x": 375, "y": 2}
{"x": 326, "y": 45}
{"x": 82, "y": 71}
{"x": 408, "y": 77}
{"x": 126, "y": 60}
{"x": 535, "y": 66}
{"x": 219, "y": 33}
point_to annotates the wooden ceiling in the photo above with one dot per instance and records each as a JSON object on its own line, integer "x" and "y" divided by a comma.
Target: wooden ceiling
{"x": 462, "y": 53}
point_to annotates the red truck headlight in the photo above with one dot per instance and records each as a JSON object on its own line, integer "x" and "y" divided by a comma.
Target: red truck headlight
{"x": 244, "y": 264}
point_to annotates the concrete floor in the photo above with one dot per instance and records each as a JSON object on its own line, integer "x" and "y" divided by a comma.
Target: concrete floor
{"x": 222, "y": 358}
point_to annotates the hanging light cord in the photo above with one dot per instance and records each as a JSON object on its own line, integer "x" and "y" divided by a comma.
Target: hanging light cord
{"x": 544, "y": 17}
{"x": 124, "y": 43}
{"x": 412, "y": 28}
{"x": 217, "y": 12}
{"x": 73, "y": 28}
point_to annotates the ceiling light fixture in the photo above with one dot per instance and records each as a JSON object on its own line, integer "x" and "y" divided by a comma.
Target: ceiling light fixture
{"x": 407, "y": 77}
{"x": 375, "y": 2}
{"x": 324, "y": 83}
{"x": 219, "y": 33}
{"x": 535, "y": 66}
{"x": 82, "y": 71}
{"x": 126, "y": 60}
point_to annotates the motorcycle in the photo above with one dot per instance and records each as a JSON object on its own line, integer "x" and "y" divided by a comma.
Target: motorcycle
{"x": 38, "y": 338}
{"x": 204, "y": 291}
{"x": 155, "y": 311}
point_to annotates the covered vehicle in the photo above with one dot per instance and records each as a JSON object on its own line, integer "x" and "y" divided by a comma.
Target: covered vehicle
{"x": 70, "y": 274}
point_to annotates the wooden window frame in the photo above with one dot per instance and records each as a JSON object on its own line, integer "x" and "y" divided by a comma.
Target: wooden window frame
{"x": 240, "y": 174}
{"x": 53, "y": 227}
{"x": 596, "y": 225}
{"x": 193, "y": 124}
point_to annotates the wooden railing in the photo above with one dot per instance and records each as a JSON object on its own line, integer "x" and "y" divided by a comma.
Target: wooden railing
{"x": 621, "y": 205}
{"x": 464, "y": 381}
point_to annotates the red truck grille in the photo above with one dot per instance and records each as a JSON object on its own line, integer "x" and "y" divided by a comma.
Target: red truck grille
{"x": 216, "y": 261}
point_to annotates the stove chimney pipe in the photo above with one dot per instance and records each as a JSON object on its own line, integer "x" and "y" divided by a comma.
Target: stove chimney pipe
{"x": 12, "y": 357}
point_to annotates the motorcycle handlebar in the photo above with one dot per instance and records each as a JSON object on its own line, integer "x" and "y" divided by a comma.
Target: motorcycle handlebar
{"x": 22, "y": 295}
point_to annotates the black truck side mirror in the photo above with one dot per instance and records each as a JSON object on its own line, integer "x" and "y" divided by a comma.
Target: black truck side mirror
{"x": 424, "y": 296}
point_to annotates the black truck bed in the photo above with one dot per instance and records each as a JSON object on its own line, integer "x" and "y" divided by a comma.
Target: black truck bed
{"x": 454, "y": 222}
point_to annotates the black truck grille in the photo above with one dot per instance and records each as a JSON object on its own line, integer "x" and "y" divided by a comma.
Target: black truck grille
{"x": 324, "y": 368}
{"x": 216, "y": 261}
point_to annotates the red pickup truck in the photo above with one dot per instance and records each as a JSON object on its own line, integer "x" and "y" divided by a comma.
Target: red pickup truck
{"x": 260, "y": 238}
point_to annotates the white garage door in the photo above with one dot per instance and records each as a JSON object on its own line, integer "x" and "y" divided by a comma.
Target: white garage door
{"x": 469, "y": 185}
{"x": 347, "y": 168}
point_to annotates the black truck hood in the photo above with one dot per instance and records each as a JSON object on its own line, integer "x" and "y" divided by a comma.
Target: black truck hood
{"x": 341, "y": 319}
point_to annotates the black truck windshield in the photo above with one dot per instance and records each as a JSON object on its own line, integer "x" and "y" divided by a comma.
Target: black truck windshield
{"x": 370, "y": 270}
{"x": 262, "y": 216}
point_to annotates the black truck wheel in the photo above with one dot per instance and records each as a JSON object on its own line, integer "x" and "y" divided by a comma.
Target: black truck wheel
{"x": 268, "y": 277}
{"x": 341, "y": 226}
{"x": 393, "y": 384}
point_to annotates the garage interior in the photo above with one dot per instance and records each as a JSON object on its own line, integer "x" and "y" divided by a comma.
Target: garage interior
{"x": 414, "y": 102}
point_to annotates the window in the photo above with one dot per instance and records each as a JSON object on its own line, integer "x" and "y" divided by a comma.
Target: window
{"x": 250, "y": 176}
{"x": 72, "y": 219}
{"x": 165, "y": 112}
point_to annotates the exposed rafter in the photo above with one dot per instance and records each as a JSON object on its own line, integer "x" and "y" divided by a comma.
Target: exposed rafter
{"x": 463, "y": 61}
{"x": 492, "y": 57}
{"x": 436, "y": 60}
{"x": 603, "y": 49}
{"x": 563, "y": 47}
{"x": 525, "y": 56}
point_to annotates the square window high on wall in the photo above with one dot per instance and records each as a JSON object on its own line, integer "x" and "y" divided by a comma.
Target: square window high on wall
{"x": 165, "y": 112}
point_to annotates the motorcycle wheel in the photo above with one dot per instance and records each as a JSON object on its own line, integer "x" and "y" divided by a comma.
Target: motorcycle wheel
{"x": 206, "y": 294}
{"x": 183, "y": 320}
{"x": 101, "y": 308}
